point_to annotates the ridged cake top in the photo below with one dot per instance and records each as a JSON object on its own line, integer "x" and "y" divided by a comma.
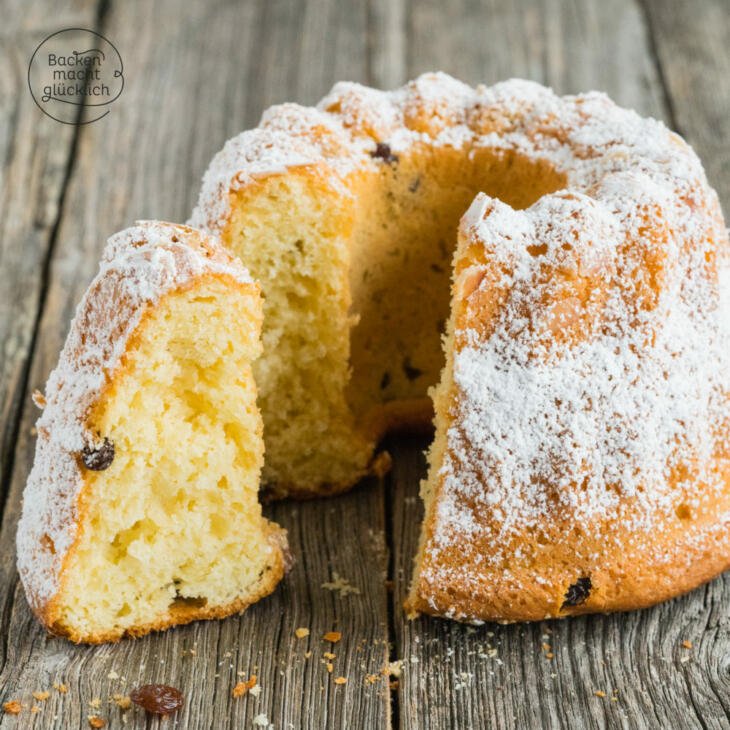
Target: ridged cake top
{"x": 139, "y": 265}
{"x": 585, "y": 136}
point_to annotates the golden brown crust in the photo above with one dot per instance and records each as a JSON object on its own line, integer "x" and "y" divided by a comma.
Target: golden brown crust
{"x": 673, "y": 561}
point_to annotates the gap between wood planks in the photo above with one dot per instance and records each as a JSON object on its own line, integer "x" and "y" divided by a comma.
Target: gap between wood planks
{"x": 392, "y": 594}
{"x": 652, "y": 42}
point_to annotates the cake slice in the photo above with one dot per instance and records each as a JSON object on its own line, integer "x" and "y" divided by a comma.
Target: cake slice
{"x": 581, "y": 459}
{"x": 141, "y": 510}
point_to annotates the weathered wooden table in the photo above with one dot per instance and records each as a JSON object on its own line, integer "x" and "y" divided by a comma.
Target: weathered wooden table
{"x": 195, "y": 75}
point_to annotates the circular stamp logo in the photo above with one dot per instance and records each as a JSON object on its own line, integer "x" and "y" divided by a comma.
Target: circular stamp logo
{"x": 74, "y": 75}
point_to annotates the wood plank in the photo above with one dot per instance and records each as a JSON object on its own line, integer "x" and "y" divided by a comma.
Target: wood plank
{"x": 34, "y": 159}
{"x": 691, "y": 41}
{"x": 572, "y": 47}
{"x": 193, "y": 79}
{"x": 498, "y": 676}
{"x": 387, "y": 43}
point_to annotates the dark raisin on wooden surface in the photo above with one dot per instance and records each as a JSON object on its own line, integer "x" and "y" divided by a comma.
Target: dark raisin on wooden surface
{"x": 577, "y": 593}
{"x": 158, "y": 699}
{"x": 383, "y": 152}
{"x": 98, "y": 457}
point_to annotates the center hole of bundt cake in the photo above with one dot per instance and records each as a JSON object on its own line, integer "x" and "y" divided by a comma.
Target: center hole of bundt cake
{"x": 355, "y": 274}
{"x": 403, "y": 244}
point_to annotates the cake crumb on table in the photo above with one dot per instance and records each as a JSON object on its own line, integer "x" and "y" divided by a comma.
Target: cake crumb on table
{"x": 242, "y": 687}
{"x": 341, "y": 585}
{"x": 332, "y": 636}
{"x": 382, "y": 464}
{"x": 301, "y": 632}
{"x": 340, "y": 680}
{"x": 96, "y": 722}
{"x": 599, "y": 693}
{"x": 12, "y": 707}
{"x": 123, "y": 702}
{"x": 41, "y": 696}
{"x": 39, "y": 399}
{"x": 687, "y": 644}
{"x": 60, "y": 687}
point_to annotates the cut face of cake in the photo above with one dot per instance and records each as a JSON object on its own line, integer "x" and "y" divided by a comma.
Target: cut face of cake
{"x": 347, "y": 215}
{"x": 142, "y": 508}
{"x": 581, "y": 460}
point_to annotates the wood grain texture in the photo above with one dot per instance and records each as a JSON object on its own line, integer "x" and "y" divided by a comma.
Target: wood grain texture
{"x": 35, "y": 154}
{"x": 691, "y": 42}
{"x": 192, "y": 83}
{"x": 194, "y": 78}
{"x": 499, "y": 676}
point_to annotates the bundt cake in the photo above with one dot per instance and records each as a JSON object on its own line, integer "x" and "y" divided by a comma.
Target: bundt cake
{"x": 141, "y": 510}
{"x": 582, "y": 451}
{"x": 581, "y": 456}
{"x": 347, "y": 215}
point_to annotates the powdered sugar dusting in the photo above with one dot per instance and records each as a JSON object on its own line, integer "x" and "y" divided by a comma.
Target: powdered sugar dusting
{"x": 340, "y": 134}
{"x": 553, "y": 417}
{"x": 139, "y": 265}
